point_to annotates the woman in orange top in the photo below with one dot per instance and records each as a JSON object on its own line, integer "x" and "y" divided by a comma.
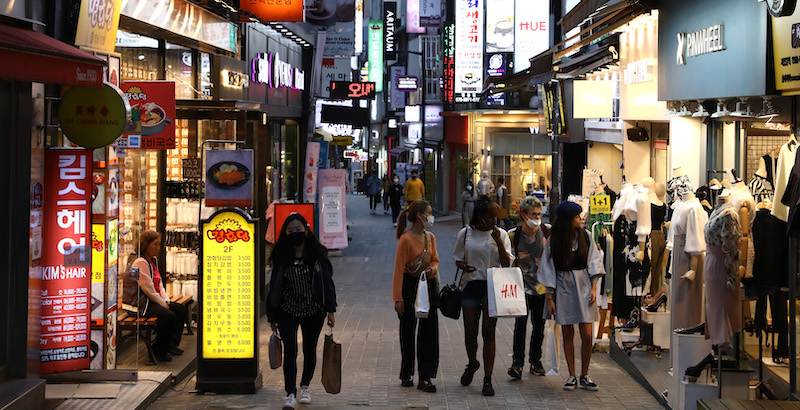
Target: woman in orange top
{"x": 416, "y": 255}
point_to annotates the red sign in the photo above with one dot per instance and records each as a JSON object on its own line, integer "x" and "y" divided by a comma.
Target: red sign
{"x": 66, "y": 260}
{"x": 282, "y": 211}
{"x": 152, "y": 113}
{"x": 347, "y": 89}
{"x": 274, "y": 10}
{"x": 660, "y": 145}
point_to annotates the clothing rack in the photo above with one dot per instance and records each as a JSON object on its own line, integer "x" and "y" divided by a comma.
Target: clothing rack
{"x": 604, "y": 313}
{"x": 715, "y": 172}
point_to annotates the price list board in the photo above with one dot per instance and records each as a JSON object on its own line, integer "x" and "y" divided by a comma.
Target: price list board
{"x": 228, "y": 286}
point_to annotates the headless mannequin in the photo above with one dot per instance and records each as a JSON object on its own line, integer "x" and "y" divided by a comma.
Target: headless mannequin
{"x": 762, "y": 168}
{"x": 744, "y": 220}
{"x": 640, "y": 254}
{"x": 694, "y": 260}
{"x": 661, "y": 196}
{"x": 677, "y": 172}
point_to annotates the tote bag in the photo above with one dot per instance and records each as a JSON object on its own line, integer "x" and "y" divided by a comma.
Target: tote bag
{"x": 550, "y": 348}
{"x": 331, "y": 365}
{"x": 275, "y": 351}
{"x": 506, "y": 292}
{"x": 422, "y": 303}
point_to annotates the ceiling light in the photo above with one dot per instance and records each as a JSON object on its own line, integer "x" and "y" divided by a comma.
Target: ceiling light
{"x": 767, "y": 110}
{"x": 722, "y": 109}
{"x": 684, "y": 112}
{"x": 742, "y": 109}
{"x": 701, "y": 111}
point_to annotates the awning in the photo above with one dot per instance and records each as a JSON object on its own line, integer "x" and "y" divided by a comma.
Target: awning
{"x": 31, "y": 56}
{"x": 540, "y": 71}
{"x": 397, "y": 151}
{"x": 614, "y": 17}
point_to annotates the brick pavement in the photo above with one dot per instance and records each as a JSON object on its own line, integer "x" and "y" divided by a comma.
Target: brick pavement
{"x": 367, "y": 327}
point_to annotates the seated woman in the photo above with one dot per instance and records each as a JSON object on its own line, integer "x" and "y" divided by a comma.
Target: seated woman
{"x": 148, "y": 294}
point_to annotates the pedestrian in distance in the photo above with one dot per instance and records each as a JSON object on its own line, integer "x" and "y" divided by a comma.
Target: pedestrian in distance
{"x": 386, "y": 183}
{"x": 502, "y": 200}
{"x": 396, "y": 198}
{"x": 416, "y": 255}
{"x": 415, "y": 188}
{"x": 527, "y": 243}
{"x": 301, "y": 295}
{"x": 468, "y": 198}
{"x": 570, "y": 267}
{"x": 374, "y": 192}
{"x": 485, "y": 185}
{"x": 480, "y": 246}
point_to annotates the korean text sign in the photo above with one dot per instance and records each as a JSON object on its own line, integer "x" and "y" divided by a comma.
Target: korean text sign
{"x": 332, "y": 213}
{"x": 97, "y": 24}
{"x": 228, "y": 286}
{"x": 66, "y": 260}
{"x": 153, "y": 113}
{"x": 469, "y": 50}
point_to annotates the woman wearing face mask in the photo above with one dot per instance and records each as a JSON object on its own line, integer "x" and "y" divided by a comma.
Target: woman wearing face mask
{"x": 301, "y": 294}
{"x": 468, "y": 197}
{"x": 570, "y": 268}
{"x": 417, "y": 255}
{"x": 480, "y": 246}
{"x": 396, "y": 198}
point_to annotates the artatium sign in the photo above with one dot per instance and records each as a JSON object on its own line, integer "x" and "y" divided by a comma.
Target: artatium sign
{"x": 705, "y": 41}
{"x": 269, "y": 69}
{"x": 389, "y": 21}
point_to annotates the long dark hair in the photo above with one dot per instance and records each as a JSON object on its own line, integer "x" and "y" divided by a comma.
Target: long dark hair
{"x": 283, "y": 251}
{"x": 410, "y": 215}
{"x": 483, "y": 207}
{"x": 562, "y": 238}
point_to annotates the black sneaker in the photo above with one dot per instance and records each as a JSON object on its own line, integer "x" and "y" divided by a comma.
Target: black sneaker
{"x": 537, "y": 368}
{"x": 427, "y": 386}
{"x": 487, "y": 390}
{"x": 571, "y": 383}
{"x": 469, "y": 373}
{"x": 407, "y": 382}
{"x": 588, "y": 384}
{"x": 515, "y": 372}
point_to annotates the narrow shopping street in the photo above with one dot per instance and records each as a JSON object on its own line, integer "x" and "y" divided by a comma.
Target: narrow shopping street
{"x": 367, "y": 327}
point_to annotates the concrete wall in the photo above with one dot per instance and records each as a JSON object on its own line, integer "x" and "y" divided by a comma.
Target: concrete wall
{"x": 687, "y": 148}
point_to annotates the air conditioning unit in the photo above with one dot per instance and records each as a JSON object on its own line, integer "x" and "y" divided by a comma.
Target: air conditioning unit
{"x": 638, "y": 134}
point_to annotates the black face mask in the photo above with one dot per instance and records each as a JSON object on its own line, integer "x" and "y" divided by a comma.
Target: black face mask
{"x": 297, "y": 238}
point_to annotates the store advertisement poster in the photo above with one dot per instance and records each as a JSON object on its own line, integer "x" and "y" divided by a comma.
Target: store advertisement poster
{"x": 97, "y": 25}
{"x": 398, "y": 98}
{"x": 228, "y": 286}
{"x": 229, "y": 178}
{"x": 282, "y": 211}
{"x": 430, "y": 13}
{"x": 323, "y": 154}
{"x": 531, "y": 31}
{"x": 499, "y": 26}
{"x": 332, "y": 212}
{"x": 310, "y": 174}
{"x": 334, "y": 69}
{"x": 469, "y": 50}
{"x": 375, "y": 48}
{"x": 67, "y": 261}
{"x": 338, "y": 18}
{"x": 152, "y": 114}
{"x": 112, "y": 293}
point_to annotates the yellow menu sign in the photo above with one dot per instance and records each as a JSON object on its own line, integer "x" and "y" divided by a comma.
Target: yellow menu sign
{"x": 600, "y": 204}
{"x": 98, "y": 252}
{"x": 229, "y": 287}
{"x": 97, "y": 25}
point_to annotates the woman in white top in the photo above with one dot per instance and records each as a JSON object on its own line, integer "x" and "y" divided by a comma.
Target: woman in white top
{"x": 480, "y": 246}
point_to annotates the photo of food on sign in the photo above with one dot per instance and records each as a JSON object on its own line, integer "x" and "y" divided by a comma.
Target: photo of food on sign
{"x": 152, "y": 112}
{"x": 228, "y": 177}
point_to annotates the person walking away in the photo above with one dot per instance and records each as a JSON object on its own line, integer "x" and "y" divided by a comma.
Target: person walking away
{"x": 396, "y": 198}
{"x": 570, "y": 267}
{"x": 417, "y": 255}
{"x": 485, "y": 185}
{"x": 156, "y": 303}
{"x": 468, "y": 198}
{"x": 386, "y": 183}
{"x": 301, "y": 294}
{"x": 502, "y": 200}
{"x": 374, "y": 192}
{"x": 527, "y": 243}
{"x": 480, "y": 246}
{"x": 415, "y": 188}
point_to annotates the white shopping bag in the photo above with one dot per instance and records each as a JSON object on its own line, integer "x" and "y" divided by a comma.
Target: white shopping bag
{"x": 550, "y": 349}
{"x": 506, "y": 292}
{"x": 422, "y": 304}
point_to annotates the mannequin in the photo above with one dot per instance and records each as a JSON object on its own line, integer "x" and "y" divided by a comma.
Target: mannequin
{"x": 658, "y": 213}
{"x": 678, "y": 182}
{"x": 632, "y": 225}
{"x": 689, "y": 244}
{"x": 641, "y": 207}
{"x": 485, "y": 185}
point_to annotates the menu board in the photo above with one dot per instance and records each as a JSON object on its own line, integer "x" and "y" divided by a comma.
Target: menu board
{"x": 228, "y": 286}
{"x": 66, "y": 261}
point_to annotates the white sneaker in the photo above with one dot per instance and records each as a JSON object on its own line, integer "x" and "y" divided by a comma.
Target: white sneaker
{"x": 305, "y": 395}
{"x": 394, "y": 224}
{"x": 289, "y": 403}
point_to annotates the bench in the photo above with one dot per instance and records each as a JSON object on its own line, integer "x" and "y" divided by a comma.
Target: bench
{"x": 146, "y": 325}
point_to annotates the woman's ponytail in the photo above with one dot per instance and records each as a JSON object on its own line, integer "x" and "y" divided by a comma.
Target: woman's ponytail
{"x": 410, "y": 214}
{"x": 401, "y": 222}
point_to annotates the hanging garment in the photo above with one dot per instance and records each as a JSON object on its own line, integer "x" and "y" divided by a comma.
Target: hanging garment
{"x": 760, "y": 188}
{"x": 786, "y": 160}
{"x": 770, "y": 164}
{"x": 721, "y": 268}
{"x": 636, "y": 270}
{"x": 791, "y": 198}
{"x": 623, "y": 304}
{"x": 770, "y": 263}
{"x": 675, "y": 185}
{"x": 687, "y": 237}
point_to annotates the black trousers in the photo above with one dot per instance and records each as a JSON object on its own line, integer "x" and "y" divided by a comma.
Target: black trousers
{"x": 386, "y": 200}
{"x": 311, "y": 328}
{"x": 780, "y": 324}
{"x": 373, "y": 201}
{"x": 170, "y": 325}
{"x": 536, "y": 305}
{"x": 427, "y": 333}
{"x": 395, "y": 211}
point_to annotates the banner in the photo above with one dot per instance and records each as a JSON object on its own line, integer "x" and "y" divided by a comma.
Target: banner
{"x": 66, "y": 261}
{"x": 375, "y": 48}
{"x": 229, "y": 179}
{"x": 397, "y": 97}
{"x": 152, "y": 114}
{"x": 531, "y": 31}
{"x": 412, "y": 17}
{"x": 449, "y": 72}
{"x": 499, "y": 26}
{"x": 469, "y": 51}
{"x": 97, "y": 25}
{"x": 430, "y": 13}
{"x": 389, "y": 26}
{"x": 332, "y": 211}
{"x": 323, "y": 154}
{"x": 310, "y": 176}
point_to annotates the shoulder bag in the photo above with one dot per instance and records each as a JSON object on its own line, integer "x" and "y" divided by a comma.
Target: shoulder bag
{"x": 421, "y": 262}
{"x": 450, "y": 295}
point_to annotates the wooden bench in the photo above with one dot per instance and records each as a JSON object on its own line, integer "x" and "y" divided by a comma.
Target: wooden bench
{"x": 146, "y": 325}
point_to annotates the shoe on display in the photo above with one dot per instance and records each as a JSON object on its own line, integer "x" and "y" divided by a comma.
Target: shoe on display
{"x": 427, "y": 386}
{"x": 587, "y": 383}
{"x": 537, "y": 368}
{"x": 693, "y": 373}
{"x": 407, "y": 382}
{"x": 699, "y": 329}
{"x": 571, "y": 383}
{"x": 290, "y": 402}
{"x": 305, "y": 395}
{"x": 515, "y": 372}
{"x": 487, "y": 389}
{"x": 661, "y": 301}
{"x": 469, "y": 373}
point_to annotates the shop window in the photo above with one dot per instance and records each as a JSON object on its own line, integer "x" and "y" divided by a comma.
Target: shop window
{"x": 139, "y": 56}
{"x": 179, "y": 67}
{"x": 524, "y": 175}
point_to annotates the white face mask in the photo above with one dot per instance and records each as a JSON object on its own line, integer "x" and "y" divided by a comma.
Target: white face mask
{"x": 428, "y": 222}
{"x": 396, "y": 180}
{"x": 533, "y": 223}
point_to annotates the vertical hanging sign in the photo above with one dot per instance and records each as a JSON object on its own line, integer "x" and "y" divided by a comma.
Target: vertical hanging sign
{"x": 531, "y": 31}
{"x": 430, "y": 13}
{"x": 66, "y": 260}
{"x": 449, "y": 62}
{"x": 375, "y": 49}
{"x": 469, "y": 51}
{"x": 389, "y": 24}
{"x": 412, "y": 17}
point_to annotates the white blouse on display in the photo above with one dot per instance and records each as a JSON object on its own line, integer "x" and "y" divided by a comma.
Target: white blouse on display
{"x": 689, "y": 220}
{"x": 620, "y": 204}
{"x": 481, "y": 252}
{"x": 786, "y": 159}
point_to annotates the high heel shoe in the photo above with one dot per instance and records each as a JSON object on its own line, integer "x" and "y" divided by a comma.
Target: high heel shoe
{"x": 653, "y": 307}
{"x": 699, "y": 329}
{"x": 692, "y": 373}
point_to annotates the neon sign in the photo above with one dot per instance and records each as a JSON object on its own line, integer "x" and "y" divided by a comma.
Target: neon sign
{"x": 347, "y": 89}
{"x": 269, "y": 69}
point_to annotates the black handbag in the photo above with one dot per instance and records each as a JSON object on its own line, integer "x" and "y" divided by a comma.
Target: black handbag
{"x": 450, "y": 299}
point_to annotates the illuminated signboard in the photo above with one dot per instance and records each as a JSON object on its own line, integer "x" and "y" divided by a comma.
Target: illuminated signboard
{"x": 348, "y": 89}
{"x": 448, "y": 86}
{"x": 407, "y": 83}
{"x": 499, "y": 26}
{"x": 97, "y": 25}
{"x": 531, "y": 31}
{"x": 469, "y": 51}
{"x": 228, "y": 286}
{"x": 153, "y": 111}
{"x": 66, "y": 261}
{"x": 272, "y": 10}
{"x": 375, "y": 49}
{"x": 389, "y": 21}
{"x": 269, "y": 69}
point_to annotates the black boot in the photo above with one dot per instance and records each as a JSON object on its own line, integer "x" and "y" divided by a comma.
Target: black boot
{"x": 692, "y": 373}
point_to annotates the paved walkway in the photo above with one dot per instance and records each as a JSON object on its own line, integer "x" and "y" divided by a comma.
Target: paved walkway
{"x": 367, "y": 327}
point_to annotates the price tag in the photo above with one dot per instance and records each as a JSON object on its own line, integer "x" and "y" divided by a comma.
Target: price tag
{"x": 600, "y": 204}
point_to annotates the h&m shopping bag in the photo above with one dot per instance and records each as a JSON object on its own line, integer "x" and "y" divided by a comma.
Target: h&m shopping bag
{"x": 331, "y": 365}
{"x": 275, "y": 351}
{"x": 422, "y": 303}
{"x": 550, "y": 348}
{"x": 506, "y": 292}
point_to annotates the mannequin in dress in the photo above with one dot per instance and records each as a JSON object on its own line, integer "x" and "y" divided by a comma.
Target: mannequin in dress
{"x": 632, "y": 225}
{"x": 689, "y": 246}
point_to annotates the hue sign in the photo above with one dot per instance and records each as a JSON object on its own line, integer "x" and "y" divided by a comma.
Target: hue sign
{"x": 270, "y": 70}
